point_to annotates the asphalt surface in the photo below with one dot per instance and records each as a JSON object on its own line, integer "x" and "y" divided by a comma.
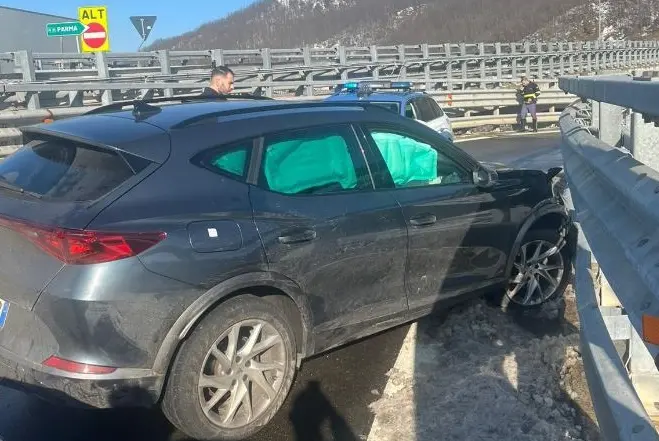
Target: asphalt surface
{"x": 341, "y": 383}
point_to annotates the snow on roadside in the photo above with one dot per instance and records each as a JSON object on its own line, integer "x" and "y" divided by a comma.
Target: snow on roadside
{"x": 480, "y": 374}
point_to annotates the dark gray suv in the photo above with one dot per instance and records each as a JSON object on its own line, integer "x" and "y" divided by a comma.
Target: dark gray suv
{"x": 190, "y": 255}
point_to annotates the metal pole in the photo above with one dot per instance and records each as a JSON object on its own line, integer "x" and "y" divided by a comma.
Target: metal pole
{"x": 599, "y": 19}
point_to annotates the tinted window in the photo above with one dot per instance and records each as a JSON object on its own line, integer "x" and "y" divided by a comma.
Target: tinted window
{"x": 413, "y": 162}
{"x": 232, "y": 159}
{"x": 425, "y": 111}
{"x": 63, "y": 170}
{"x": 438, "y": 110}
{"x": 312, "y": 161}
{"x": 394, "y": 107}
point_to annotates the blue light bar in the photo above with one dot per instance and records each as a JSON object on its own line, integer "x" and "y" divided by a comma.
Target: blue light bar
{"x": 401, "y": 85}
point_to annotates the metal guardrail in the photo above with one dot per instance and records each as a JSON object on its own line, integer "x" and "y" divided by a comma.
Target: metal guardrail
{"x": 68, "y": 79}
{"x": 461, "y": 101}
{"x": 615, "y": 194}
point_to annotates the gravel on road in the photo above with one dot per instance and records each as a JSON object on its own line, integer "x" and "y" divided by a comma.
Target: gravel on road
{"x": 477, "y": 373}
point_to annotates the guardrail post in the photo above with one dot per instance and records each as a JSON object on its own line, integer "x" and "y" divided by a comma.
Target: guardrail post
{"x": 374, "y": 59}
{"x": 481, "y": 52}
{"x": 165, "y": 69}
{"x": 513, "y": 59}
{"x": 552, "y": 67}
{"x": 463, "y": 64}
{"x": 401, "y": 59}
{"x": 497, "y": 51}
{"x": 610, "y": 123}
{"x": 449, "y": 66}
{"x": 527, "y": 61}
{"x": 561, "y": 60}
{"x": 425, "y": 53}
{"x": 589, "y": 57}
{"x": 570, "y": 49}
{"x": 538, "y": 48}
{"x": 103, "y": 72}
{"x": 267, "y": 66}
{"x": 644, "y": 141}
{"x": 308, "y": 74}
{"x": 217, "y": 57}
{"x": 342, "y": 62}
{"x": 595, "y": 114}
{"x": 25, "y": 63}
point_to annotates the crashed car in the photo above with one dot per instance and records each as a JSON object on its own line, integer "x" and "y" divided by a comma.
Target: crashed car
{"x": 192, "y": 255}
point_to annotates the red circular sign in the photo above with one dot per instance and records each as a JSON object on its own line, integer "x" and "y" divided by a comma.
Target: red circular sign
{"x": 95, "y": 35}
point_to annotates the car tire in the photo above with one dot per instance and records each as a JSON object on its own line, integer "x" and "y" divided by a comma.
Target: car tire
{"x": 231, "y": 321}
{"x": 557, "y": 266}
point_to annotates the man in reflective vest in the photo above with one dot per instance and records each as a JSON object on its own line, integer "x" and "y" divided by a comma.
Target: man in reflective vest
{"x": 529, "y": 92}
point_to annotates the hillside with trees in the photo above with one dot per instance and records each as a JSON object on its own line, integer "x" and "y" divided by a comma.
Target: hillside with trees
{"x": 295, "y": 23}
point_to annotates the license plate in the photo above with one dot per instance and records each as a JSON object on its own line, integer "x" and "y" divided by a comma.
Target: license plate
{"x": 4, "y": 308}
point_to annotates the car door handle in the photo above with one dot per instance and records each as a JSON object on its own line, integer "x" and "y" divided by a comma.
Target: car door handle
{"x": 423, "y": 219}
{"x": 297, "y": 236}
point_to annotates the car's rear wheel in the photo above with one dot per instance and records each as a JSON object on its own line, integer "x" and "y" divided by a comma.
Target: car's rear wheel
{"x": 540, "y": 271}
{"x": 233, "y": 373}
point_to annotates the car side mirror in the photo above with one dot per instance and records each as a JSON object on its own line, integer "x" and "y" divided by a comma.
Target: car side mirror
{"x": 484, "y": 177}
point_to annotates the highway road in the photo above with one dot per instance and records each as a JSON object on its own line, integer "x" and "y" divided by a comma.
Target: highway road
{"x": 343, "y": 382}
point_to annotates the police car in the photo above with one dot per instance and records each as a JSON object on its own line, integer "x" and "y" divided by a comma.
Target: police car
{"x": 399, "y": 97}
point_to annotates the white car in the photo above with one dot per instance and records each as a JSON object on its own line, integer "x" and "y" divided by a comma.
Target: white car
{"x": 401, "y": 98}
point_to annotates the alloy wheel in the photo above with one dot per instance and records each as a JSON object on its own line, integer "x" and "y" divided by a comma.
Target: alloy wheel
{"x": 242, "y": 374}
{"x": 537, "y": 273}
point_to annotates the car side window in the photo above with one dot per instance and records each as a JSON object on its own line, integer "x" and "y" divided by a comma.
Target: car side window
{"x": 436, "y": 108}
{"x": 424, "y": 109}
{"x": 231, "y": 160}
{"x": 412, "y": 162}
{"x": 409, "y": 111}
{"x": 313, "y": 161}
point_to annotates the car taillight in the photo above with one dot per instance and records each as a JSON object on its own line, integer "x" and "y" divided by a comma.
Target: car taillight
{"x": 82, "y": 247}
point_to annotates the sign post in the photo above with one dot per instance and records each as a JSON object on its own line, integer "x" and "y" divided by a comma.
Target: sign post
{"x": 96, "y": 37}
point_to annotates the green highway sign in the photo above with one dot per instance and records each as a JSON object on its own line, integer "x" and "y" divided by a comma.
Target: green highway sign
{"x": 65, "y": 29}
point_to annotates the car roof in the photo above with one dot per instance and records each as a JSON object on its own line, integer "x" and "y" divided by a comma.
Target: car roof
{"x": 120, "y": 128}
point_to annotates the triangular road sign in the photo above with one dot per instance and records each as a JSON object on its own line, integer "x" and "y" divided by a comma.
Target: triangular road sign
{"x": 143, "y": 24}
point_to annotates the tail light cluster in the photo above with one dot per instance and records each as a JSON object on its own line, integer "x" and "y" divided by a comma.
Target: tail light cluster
{"x": 83, "y": 247}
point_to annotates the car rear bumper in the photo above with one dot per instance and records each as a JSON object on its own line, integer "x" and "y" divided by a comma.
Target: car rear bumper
{"x": 122, "y": 388}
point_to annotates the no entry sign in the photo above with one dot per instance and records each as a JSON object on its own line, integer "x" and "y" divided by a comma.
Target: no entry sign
{"x": 96, "y": 38}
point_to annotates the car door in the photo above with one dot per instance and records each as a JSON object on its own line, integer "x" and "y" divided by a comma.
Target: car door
{"x": 459, "y": 234}
{"x": 324, "y": 227}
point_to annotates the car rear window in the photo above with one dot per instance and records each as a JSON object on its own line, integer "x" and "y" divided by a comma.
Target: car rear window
{"x": 394, "y": 107}
{"x": 62, "y": 170}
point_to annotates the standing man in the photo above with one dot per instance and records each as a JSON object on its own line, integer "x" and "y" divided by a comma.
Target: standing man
{"x": 221, "y": 82}
{"x": 529, "y": 92}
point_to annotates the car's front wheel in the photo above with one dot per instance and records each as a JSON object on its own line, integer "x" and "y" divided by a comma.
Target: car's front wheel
{"x": 233, "y": 373}
{"x": 540, "y": 271}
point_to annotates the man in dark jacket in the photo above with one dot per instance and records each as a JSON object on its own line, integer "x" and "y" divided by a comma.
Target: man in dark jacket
{"x": 221, "y": 82}
{"x": 529, "y": 92}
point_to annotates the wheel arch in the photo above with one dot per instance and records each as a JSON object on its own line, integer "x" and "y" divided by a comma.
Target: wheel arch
{"x": 546, "y": 215}
{"x": 262, "y": 284}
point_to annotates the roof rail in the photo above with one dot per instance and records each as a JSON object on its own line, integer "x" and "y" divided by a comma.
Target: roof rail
{"x": 144, "y": 104}
{"x": 365, "y": 105}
